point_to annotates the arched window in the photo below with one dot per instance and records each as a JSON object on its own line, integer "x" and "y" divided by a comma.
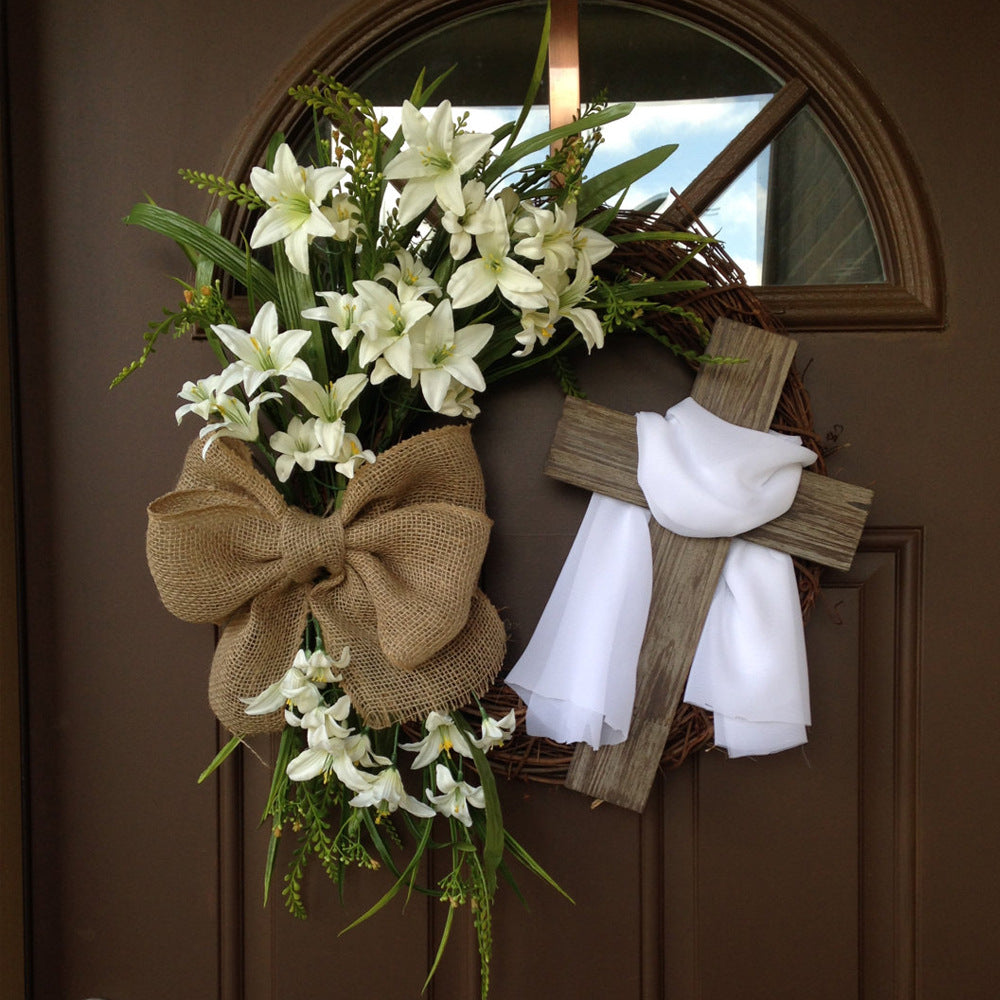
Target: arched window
{"x": 782, "y": 150}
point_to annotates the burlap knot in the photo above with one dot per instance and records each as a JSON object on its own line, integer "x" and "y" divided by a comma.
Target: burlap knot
{"x": 393, "y": 575}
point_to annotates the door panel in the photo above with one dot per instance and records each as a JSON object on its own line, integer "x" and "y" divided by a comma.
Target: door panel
{"x": 859, "y": 867}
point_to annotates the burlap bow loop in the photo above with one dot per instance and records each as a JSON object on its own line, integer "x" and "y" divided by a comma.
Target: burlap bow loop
{"x": 392, "y": 574}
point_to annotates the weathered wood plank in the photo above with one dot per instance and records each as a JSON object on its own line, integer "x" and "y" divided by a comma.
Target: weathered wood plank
{"x": 595, "y": 448}
{"x": 685, "y": 574}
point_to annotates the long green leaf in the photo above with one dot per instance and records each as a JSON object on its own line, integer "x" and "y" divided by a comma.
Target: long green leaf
{"x": 661, "y": 234}
{"x": 603, "y": 186}
{"x": 445, "y": 934}
{"x": 536, "y": 78}
{"x": 295, "y": 293}
{"x": 398, "y": 884}
{"x": 647, "y": 289}
{"x": 421, "y": 94}
{"x": 533, "y": 866}
{"x": 219, "y": 250}
{"x": 269, "y": 862}
{"x": 220, "y": 757}
{"x": 493, "y": 844}
{"x": 509, "y": 157}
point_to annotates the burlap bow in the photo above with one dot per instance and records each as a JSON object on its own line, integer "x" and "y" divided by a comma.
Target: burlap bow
{"x": 393, "y": 574}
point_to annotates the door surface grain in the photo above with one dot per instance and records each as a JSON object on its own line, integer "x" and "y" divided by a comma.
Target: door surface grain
{"x": 861, "y": 866}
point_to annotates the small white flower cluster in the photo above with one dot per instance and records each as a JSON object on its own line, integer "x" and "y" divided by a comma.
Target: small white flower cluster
{"x": 332, "y": 747}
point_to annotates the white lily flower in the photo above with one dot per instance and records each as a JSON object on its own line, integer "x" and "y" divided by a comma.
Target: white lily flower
{"x": 300, "y": 691}
{"x": 269, "y": 700}
{"x": 331, "y": 434}
{"x": 441, "y": 354}
{"x": 309, "y": 764}
{"x": 353, "y": 455}
{"x": 548, "y": 235}
{"x": 442, "y": 737}
{"x": 323, "y": 724}
{"x": 433, "y": 161}
{"x": 495, "y": 732}
{"x": 359, "y": 750}
{"x": 411, "y": 277}
{"x": 342, "y": 312}
{"x": 387, "y": 323}
{"x": 473, "y": 221}
{"x": 338, "y": 446}
{"x": 319, "y": 667}
{"x": 591, "y": 245}
{"x": 456, "y": 796}
{"x": 295, "y": 690}
{"x": 553, "y": 237}
{"x": 329, "y": 402}
{"x": 296, "y": 446}
{"x": 536, "y": 326}
{"x": 300, "y": 686}
{"x": 494, "y": 269}
{"x": 294, "y": 194}
{"x": 238, "y": 421}
{"x": 570, "y": 294}
{"x": 314, "y": 761}
{"x": 263, "y": 352}
{"x": 343, "y": 214}
{"x": 458, "y": 402}
{"x": 207, "y": 395}
{"x": 386, "y": 794}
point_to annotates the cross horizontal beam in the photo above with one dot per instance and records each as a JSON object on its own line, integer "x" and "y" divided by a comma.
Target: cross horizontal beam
{"x": 595, "y": 448}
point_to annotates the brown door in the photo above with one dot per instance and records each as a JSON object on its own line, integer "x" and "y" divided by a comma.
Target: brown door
{"x": 863, "y": 866}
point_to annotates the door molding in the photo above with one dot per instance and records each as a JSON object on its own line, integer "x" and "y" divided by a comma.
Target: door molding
{"x": 885, "y": 588}
{"x": 14, "y": 895}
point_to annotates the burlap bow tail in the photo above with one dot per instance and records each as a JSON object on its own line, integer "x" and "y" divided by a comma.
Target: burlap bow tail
{"x": 393, "y": 575}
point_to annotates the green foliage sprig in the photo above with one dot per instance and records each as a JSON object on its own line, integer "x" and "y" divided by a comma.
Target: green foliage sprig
{"x": 241, "y": 193}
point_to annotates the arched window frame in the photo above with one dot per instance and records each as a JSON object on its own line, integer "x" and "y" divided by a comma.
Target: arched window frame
{"x": 815, "y": 74}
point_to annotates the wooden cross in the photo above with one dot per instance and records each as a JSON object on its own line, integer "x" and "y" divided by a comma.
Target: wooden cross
{"x": 595, "y": 448}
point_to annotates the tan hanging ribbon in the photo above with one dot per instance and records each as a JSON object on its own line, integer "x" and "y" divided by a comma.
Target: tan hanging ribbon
{"x": 393, "y": 575}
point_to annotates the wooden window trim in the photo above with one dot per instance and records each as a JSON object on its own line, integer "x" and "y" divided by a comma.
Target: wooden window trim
{"x": 817, "y": 75}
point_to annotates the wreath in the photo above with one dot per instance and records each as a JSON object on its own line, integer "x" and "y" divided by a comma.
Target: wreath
{"x": 330, "y": 516}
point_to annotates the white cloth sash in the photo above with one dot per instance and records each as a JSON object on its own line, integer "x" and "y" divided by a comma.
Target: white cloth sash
{"x": 702, "y": 477}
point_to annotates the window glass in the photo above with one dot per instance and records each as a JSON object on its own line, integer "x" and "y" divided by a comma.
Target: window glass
{"x": 794, "y": 217}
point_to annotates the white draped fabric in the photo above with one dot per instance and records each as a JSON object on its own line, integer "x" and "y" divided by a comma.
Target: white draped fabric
{"x": 702, "y": 477}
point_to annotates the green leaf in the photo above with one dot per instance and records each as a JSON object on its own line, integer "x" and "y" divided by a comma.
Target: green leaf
{"x": 421, "y": 94}
{"x": 288, "y": 747}
{"x": 536, "y": 78}
{"x": 204, "y": 267}
{"x": 220, "y": 757}
{"x": 187, "y": 233}
{"x": 534, "y": 867}
{"x": 272, "y": 149}
{"x": 295, "y": 293}
{"x": 510, "y": 156}
{"x": 660, "y": 234}
{"x": 270, "y": 861}
{"x": 445, "y": 934}
{"x": 647, "y": 289}
{"x": 398, "y": 884}
{"x": 604, "y": 186}
{"x": 494, "y": 841}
